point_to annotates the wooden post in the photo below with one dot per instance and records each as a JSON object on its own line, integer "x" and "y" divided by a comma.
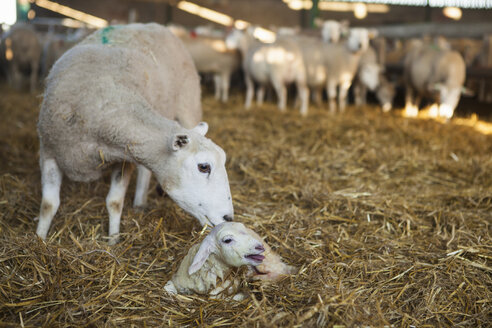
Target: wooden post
{"x": 314, "y": 14}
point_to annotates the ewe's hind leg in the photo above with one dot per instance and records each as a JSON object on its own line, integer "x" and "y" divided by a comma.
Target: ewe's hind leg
{"x": 358, "y": 94}
{"x": 142, "y": 188}
{"x": 250, "y": 90}
{"x": 51, "y": 178}
{"x": 226, "y": 80}
{"x": 260, "y": 95}
{"x": 331, "y": 90}
{"x": 281, "y": 92}
{"x": 411, "y": 107}
{"x": 120, "y": 179}
{"x": 217, "y": 83}
{"x": 303, "y": 93}
{"x": 342, "y": 95}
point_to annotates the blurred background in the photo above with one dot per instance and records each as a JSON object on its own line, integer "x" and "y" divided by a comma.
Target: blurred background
{"x": 462, "y": 25}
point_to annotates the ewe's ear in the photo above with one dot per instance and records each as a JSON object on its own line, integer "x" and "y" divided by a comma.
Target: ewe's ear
{"x": 201, "y": 128}
{"x": 207, "y": 247}
{"x": 179, "y": 141}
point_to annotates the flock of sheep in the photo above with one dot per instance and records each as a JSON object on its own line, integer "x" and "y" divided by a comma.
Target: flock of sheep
{"x": 119, "y": 100}
{"x": 336, "y": 60}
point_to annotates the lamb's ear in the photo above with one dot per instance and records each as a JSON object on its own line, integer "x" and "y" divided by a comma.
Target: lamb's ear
{"x": 207, "y": 247}
{"x": 201, "y": 128}
{"x": 179, "y": 141}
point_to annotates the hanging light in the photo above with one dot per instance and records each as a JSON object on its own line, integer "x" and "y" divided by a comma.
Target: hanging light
{"x": 452, "y": 12}
{"x": 360, "y": 11}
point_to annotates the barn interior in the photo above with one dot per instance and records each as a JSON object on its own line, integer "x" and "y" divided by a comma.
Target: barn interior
{"x": 386, "y": 214}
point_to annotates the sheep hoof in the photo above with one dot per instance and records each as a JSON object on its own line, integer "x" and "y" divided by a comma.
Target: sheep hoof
{"x": 113, "y": 239}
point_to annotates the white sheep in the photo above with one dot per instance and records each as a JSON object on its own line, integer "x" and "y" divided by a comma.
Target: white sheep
{"x": 332, "y": 31}
{"x": 435, "y": 73}
{"x": 228, "y": 245}
{"x": 277, "y": 64}
{"x": 370, "y": 77}
{"x": 341, "y": 62}
{"x": 21, "y": 48}
{"x": 210, "y": 55}
{"x": 112, "y": 101}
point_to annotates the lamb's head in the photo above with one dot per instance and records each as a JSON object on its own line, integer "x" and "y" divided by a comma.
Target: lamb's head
{"x": 195, "y": 177}
{"x": 233, "y": 244}
{"x": 358, "y": 39}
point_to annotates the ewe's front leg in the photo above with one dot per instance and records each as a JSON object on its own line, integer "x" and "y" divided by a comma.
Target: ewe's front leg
{"x": 250, "y": 90}
{"x": 217, "y": 83}
{"x": 331, "y": 91}
{"x": 303, "y": 92}
{"x": 142, "y": 188}
{"x": 411, "y": 107}
{"x": 120, "y": 178}
{"x": 51, "y": 179}
{"x": 226, "y": 80}
{"x": 342, "y": 95}
{"x": 281, "y": 92}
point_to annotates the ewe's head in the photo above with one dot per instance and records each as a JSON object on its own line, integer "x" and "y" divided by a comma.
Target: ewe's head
{"x": 332, "y": 31}
{"x": 358, "y": 39}
{"x": 196, "y": 178}
{"x": 233, "y": 243}
{"x": 234, "y": 39}
{"x": 369, "y": 75}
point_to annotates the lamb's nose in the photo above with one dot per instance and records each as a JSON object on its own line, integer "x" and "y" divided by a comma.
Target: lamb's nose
{"x": 227, "y": 218}
{"x": 260, "y": 248}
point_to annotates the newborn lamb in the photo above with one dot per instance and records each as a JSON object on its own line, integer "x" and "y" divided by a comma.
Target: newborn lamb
{"x": 228, "y": 245}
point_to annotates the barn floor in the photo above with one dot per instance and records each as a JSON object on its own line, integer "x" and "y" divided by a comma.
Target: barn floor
{"x": 388, "y": 218}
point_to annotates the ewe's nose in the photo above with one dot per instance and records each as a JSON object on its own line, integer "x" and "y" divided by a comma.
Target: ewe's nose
{"x": 227, "y": 218}
{"x": 260, "y": 248}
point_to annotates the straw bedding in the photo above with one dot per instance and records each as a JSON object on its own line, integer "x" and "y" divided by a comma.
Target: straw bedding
{"x": 388, "y": 219}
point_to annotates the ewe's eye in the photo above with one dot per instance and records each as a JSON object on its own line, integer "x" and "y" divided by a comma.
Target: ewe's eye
{"x": 204, "y": 168}
{"x": 227, "y": 240}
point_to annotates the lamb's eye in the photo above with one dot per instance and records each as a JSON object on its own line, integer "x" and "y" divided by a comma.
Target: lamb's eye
{"x": 227, "y": 240}
{"x": 204, "y": 168}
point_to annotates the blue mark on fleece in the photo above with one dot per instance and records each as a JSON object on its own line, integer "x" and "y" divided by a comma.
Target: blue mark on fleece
{"x": 104, "y": 34}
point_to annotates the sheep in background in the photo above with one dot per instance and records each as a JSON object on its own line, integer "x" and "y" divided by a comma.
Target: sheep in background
{"x": 21, "y": 49}
{"x": 228, "y": 245}
{"x": 55, "y": 45}
{"x": 210, "y": 55}
{"x": 314, "y": 61}
{"x": 332, "y": 31}
{"x": 277, "y": 63}
{"x": 430, "y": 71}
{"x": 115, "y": 100}
{"x": 370, "y": 77}
{"x": 341, "y": 62}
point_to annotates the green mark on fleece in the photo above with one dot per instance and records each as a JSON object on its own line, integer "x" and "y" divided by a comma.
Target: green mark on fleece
{"x": 104, "y": 34}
